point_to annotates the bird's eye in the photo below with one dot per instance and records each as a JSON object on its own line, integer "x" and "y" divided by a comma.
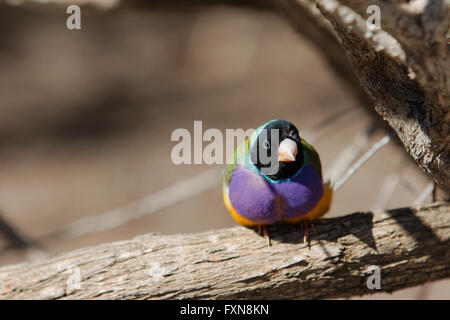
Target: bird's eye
{"x": 266, "y": 144}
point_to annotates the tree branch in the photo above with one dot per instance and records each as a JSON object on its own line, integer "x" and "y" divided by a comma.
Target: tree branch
{"x": 409, "y": 245}
{"x": 407, "y": 73}
{"x": 12, "y": 235}
{"x": 404, "y": 67}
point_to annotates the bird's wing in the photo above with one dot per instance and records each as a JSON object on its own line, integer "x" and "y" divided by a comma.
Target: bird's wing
{"x": 239, "y": 157}
{"x": 312, "y": 157}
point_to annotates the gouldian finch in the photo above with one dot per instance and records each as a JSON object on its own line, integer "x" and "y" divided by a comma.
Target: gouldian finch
{"x": 293, "y": 192}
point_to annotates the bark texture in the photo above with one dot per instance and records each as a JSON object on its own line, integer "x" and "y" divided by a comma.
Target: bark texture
{"x": 409, "y": 245}
{"x": 405, "y": 68}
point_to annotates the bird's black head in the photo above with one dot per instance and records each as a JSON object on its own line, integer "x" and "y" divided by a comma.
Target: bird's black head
{"x": 286, "y": 150}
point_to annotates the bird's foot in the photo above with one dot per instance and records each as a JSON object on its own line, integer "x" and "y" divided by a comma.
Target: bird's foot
{"x": 265, "y": 232}
{"x": 306, "y": 225}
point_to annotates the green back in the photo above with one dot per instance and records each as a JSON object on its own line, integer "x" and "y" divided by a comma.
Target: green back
{"x": 239, "y": 158}
{"x": 312, "y": 157}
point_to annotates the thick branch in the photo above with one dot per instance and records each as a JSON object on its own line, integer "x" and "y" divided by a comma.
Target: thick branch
{"x": 409, "y": 245}
{"x": 404, "y": 67}
{"x": 407, "y": 73}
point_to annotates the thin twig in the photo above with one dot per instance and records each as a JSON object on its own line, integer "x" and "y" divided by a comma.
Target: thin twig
{"x": 311, "y": 133}
{"x": 143, "y": 207}
{"x": 424, "y": 195}
{"x": 410, "y": 186}
{"x": 349, "y": 154}
{"x": 34, "y": 251}
{"x": 390, "y": 183}
{"x": 369, "y": 154}
{"x": 386, "y": 190}
{"x": 12, "y": 235}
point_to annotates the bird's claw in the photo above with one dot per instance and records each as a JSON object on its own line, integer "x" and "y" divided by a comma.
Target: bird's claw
{"x": 265, "y": 232}
{"x": 306, "y": 225}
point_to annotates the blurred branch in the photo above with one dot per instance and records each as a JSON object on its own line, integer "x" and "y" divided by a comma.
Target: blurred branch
{"x": 361, "y": 161}
{"x": 152, "y": 203}
{"x": 409, "y": 245}
{"x": 427, "y": 191}
{"x": 34, "y": 250}
{"x": 12, "y": 235}
{"x": 350, "y": 153}
{"x": 101, "y": 4}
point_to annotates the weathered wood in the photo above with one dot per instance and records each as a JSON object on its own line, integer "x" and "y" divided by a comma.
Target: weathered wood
{"x": 405, "y": 68}
{"x": 411, "y": 247}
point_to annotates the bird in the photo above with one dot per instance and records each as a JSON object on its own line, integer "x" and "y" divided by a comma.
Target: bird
{"x": 258, "y": 194}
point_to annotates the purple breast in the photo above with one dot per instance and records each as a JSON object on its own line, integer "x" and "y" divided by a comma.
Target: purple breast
{"x": 262, "y": 201}
{"x": 300, "y": 195}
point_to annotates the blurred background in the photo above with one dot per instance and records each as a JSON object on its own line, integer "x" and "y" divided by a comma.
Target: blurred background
{"x": 86, "y": 118}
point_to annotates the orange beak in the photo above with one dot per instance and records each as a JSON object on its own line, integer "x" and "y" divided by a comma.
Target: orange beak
{"x": 287, "y": 151}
